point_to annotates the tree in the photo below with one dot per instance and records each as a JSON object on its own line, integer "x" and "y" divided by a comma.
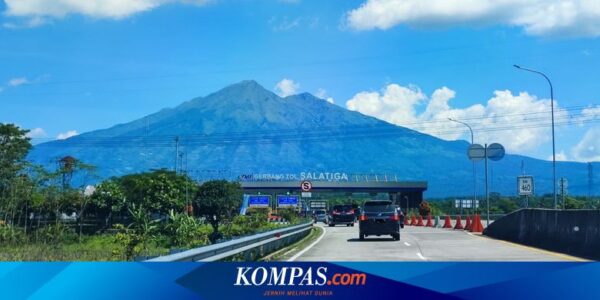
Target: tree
{"x": 108, "y": 198}
{"x": 218, "y": 201}
{"x": 159, "y": 191}
{"x": 424, "y": 209}
{"x": 14, "y": 146}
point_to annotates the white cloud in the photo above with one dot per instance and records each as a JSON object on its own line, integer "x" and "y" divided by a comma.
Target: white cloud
{"x": 284, "y": 24}
{"x": 286, "y": 87}
{"x": 536, "y": 17}
{"x": 29, "y": 23}
{"x": 590, "y": 113}
{"x": 322, "y": 93}
{"x": 560, "y": 156}
{"x": 494, "y": 122}
{"x": 18, "y": 81}
{"x": 588, "y": 149}
{"x": 66, "y": 135}
{"x": 37, "y": 133}
{"x": 113, "y": 9}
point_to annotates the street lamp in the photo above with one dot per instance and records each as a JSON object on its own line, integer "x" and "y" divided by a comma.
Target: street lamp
{"x": 553, "y": 143}
{"x": 474, "y": 172}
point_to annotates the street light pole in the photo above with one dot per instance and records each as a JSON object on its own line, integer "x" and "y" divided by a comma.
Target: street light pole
{"x": 474, "y": 170}
{"x": 553, "y": 142}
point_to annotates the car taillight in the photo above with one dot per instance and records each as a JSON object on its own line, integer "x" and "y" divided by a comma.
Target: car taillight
{"x": 351, "y": 211}
{"x": 395, "y": 218}
{"x": 362, "y": 218}
{"x": 335, "y": 212}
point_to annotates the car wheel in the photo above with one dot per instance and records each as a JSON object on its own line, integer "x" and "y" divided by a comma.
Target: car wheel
{"x": 396, "y": 236}
{"x": 352, "y": 224}
{"x": 331, "y": 224}
{"x": 361, "y": 237}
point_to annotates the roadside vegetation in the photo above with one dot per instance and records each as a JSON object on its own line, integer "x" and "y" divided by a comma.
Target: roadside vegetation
{"x": 48, "y": 215}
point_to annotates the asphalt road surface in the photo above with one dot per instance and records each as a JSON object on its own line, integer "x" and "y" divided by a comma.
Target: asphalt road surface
{"x": 341, "y": 243}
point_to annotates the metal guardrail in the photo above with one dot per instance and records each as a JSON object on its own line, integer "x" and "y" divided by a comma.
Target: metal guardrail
{"x": 269, "y": 240}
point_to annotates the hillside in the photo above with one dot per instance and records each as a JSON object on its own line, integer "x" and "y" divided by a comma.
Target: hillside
{"x": 246, "y": 129}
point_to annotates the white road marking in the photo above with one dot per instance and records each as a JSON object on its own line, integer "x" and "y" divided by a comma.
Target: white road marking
{"x": 309, "y": 246}
{"x": 407, "y": 244}
{"x": 421, "y": 256}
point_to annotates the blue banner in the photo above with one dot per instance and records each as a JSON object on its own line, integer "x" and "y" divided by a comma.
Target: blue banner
{"x": 349, "y": 280}
{"x": 259, "y": 200}
{"x": 287, "y": 200}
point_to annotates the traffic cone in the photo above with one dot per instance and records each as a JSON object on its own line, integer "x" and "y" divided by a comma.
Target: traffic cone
{"x": 447, "y": 223}
{"x": 406, "y": 222}
{"x": 420, "y": 221}
{"x": 458, "y": 223}
{"x": 476, "y": 226}
{"x": 413, "y": 220}
{"x": 468, "y": 223}
{"x": 429, "y": 223}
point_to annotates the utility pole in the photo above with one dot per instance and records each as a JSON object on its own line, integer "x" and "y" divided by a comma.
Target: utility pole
{"x": 176, "y": 152}
{"x": 590, "y": 182}
{"x": 487, "y": 194}
{"x": 563, "y": 187}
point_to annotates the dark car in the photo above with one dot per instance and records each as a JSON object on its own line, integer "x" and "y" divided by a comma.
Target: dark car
{"x": 341, "y": 214}
{"x": 379, "y": 217}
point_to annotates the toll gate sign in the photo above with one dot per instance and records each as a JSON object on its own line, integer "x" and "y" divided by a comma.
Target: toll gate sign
{"x": 287, "y": 200}
{"x": 306, "y": 186}
{"x": 525, "y": 185}
{"x": 259, "y": 200}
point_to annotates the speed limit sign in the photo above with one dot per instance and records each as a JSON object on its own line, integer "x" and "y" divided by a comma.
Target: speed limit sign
{"x": 525, "y": 185}
{"x": 306, "y": 186}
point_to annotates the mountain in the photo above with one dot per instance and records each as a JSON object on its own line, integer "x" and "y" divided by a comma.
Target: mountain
{"x": 246, "y": 129}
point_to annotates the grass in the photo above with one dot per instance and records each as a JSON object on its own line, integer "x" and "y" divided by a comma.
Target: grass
{"x": 103, "y": 247}
{"x": 92, "y": 248}
{"x": 289, "y": 251}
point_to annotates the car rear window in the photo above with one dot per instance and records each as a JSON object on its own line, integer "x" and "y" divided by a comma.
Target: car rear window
{"x": 319, "y": 212}
{"x": 342, "y": 207}
{"x": 379, "y": 206}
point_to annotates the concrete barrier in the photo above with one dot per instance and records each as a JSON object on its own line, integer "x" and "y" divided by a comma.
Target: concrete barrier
{"x": 575, "y": 232}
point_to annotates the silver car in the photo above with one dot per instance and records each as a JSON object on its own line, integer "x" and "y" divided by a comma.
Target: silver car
{"x": 320, "y": 216}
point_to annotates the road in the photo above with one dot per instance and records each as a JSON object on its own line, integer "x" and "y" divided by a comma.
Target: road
{"x": 341, "y": 243}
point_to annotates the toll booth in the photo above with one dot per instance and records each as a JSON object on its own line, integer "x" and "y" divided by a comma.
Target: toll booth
{"x": 403, "y": 193}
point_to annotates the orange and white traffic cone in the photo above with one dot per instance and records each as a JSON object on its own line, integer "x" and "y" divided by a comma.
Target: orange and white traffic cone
{"x": 458, "y": 224}
{"x": 468, "y": 223}
{"x": 477, "y": 226}
{"x": 447, "y": 222}
{"x": 420, "y": 221}
{"x": 429, "y": 221}
{"x": 413, "y": 220}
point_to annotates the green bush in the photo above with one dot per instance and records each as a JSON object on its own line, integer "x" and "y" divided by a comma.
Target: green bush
{"x": 55, "y": 234}
{"x": 184, "y": 231}
{"x": 289, "y": 214}
{"x": 12, "y": 235}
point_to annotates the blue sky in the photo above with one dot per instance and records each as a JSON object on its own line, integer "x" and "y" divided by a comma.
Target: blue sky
{"x": 71, "y": 67}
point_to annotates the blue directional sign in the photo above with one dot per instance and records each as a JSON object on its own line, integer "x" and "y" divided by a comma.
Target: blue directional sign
{"x": 259, "y": 200}
{"x": 287, "y": 200}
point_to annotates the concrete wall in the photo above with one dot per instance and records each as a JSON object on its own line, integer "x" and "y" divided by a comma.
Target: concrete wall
{"x": 575, "y": 232}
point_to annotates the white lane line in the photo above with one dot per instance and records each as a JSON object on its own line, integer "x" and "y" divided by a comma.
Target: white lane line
{"x": 309, "y": 246}
{"x": 421, "y": 256}
{"x": 407, "y": 244}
